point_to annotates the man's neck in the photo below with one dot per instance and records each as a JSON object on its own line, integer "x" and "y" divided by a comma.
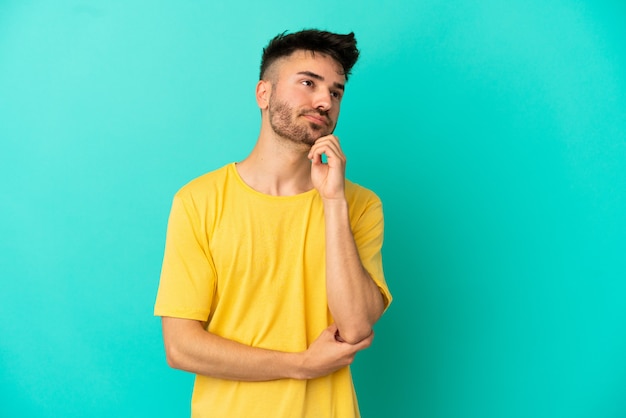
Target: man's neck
{"x": 276, "y": 167}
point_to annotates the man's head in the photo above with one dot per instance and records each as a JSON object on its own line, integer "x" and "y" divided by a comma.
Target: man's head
{"x": 341, "y": 48}
{"x": 302, "y": 82}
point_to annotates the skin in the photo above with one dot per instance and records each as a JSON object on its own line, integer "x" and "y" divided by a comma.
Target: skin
{"x": 300, "y": 99}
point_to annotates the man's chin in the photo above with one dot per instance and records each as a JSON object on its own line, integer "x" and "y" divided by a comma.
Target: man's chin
{"x": 317, "y": 134}
{"x": 311, "y": 140}
{"x": 308, "y": 138}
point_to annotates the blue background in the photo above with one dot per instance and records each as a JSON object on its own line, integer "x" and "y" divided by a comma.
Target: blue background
{"x": 494, "y": 132}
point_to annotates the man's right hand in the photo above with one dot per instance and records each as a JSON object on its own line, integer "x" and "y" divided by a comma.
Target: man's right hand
{"x": 328, "y": 354}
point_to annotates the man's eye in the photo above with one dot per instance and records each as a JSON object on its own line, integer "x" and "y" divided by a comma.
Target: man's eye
{"x": 336, "y": 94}
{"x": 307, "y": 83}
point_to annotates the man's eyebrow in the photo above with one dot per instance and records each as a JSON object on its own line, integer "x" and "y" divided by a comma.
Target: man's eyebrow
{"x": 320, "y": 78}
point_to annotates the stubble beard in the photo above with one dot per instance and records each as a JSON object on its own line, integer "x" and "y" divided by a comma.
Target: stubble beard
{"x": 283, "y": 121}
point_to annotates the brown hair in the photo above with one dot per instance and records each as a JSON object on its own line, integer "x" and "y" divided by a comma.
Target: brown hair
{"x": 342, "y": 48}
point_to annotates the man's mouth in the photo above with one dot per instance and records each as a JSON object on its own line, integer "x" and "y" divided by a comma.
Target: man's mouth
{"x": 316, "y": 118}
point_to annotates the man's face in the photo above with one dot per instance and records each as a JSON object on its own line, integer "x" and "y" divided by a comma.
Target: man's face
{"x": 306, "y": 96}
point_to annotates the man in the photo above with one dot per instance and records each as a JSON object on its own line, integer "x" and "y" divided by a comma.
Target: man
{"x": 272, "y": 276}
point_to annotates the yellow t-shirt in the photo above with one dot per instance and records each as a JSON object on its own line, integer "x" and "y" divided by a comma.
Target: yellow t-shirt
{"x": 253, "y": 266}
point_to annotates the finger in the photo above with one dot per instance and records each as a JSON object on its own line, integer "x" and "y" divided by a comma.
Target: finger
{"x": 338, "y": 337}
{"x": 315, "y": 155}
{"x": 327, "y": 140}
{"x": 315, "y": 150}
{"x": 331, "y": 150}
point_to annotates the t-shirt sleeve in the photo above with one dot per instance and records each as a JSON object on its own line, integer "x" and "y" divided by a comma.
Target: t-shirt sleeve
{"x": 188, "y": 278}
{"x": 368, "y": 230}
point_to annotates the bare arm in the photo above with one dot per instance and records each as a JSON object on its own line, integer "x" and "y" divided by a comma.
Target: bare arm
{"x": 190, "y": 347}
{"x": 354, "y": 299}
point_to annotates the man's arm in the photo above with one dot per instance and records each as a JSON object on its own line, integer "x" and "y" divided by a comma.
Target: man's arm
{"x": 354, "y": 299}
{"x": 190, "y": 347}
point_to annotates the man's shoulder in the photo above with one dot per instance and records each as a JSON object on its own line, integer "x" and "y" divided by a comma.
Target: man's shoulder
{"x": 208, "y": 182}
{"x": 357, "y": 193}
{"x": 362, "y": 200}
{"x": 364, "y": 205}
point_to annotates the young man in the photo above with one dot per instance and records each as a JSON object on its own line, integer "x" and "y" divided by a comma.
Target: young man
{"x": 272, "y": 276}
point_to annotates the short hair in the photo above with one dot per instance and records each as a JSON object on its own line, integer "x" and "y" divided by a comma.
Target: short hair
{"x": 342, "y": 48}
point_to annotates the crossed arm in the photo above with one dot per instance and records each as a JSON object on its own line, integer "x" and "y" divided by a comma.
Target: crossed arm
{"x": 190, "y": 347}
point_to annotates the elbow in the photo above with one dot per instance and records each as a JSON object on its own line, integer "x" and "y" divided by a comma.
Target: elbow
{"x": 354, "y": 335}
{"x": 356, "y": 331}
{"x": 177, "y": 337}
{"x": 173, "y": 357}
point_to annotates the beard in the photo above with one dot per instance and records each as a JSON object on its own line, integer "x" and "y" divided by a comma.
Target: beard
{"x": 283, "y": 120}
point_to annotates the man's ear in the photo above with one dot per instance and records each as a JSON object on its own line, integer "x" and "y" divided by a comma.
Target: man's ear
{"x": 263, "y": 92}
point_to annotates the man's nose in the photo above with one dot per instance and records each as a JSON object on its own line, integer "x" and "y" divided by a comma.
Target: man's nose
{"x": 323, "y": 101}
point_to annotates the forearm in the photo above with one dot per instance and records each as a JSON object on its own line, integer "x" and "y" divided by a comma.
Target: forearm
{"x": 191, "y": 348}
{"x": 354, "y": 299}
